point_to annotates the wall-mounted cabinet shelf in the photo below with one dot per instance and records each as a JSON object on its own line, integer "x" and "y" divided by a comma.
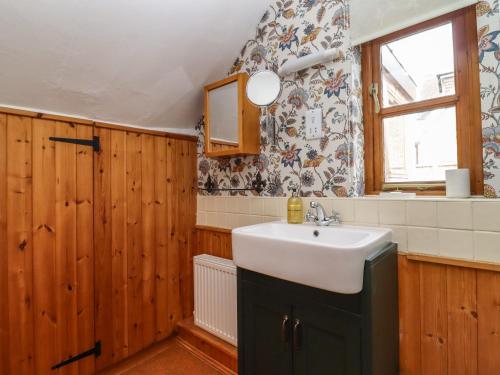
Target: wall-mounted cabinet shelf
{"x": 231, "y": 121}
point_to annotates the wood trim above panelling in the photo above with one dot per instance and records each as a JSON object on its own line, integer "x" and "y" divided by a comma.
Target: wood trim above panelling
{"x": 45, "y": 116}
{"x": 213, "y": 229}
{"x": 454, "y": 262}
{"x": 106, "y": 125}
{"x": 97, "y": 124}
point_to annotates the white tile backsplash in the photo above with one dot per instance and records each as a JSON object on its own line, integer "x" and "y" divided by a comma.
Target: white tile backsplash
{"x": 200, "y": 203}
{"x": 423, "y": 214}
{"x": 366, "y": 211}
{"x": 486, "y": 216}
{"x": 210, "y": 204}
{"x": 256, "y": 206}
{"x": 272, "y": 207}
{"x": 244, "y": 205}
{"x": 392, "y": 212}
{"x": 201, "y": 218}
{"x": 211, "y": 219}
{"x": 399, "y": 236}
{"x": 487, "y": 247}
{"x": 423, "y": 240}
{"x": 232, "y": 205}
{"x": 455, "y": 228}
{"x": 345, "y": 207}
{"x": 454, "y": 215}
{"x": 456, "y": 243}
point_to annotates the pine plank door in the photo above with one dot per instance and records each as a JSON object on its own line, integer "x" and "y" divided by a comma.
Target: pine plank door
{"x": 63, "y": 261}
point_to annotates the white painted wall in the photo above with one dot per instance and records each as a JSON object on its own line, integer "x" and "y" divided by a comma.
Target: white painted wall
{"x": 135, "y": 62}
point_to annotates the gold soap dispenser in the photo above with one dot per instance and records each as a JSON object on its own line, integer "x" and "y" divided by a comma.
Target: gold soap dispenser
{"x": 295, "y": 209}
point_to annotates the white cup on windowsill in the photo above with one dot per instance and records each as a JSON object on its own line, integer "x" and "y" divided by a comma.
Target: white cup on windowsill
{"x": 458, "y": 183}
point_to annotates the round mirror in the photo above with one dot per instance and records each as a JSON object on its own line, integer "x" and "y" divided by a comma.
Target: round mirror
{"x": 263, "y": 88}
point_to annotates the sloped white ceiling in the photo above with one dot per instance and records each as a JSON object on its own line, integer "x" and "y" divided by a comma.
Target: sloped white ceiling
{"x": 136, "y": 62}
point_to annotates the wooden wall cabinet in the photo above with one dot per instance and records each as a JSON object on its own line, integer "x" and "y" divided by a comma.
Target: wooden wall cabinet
{"x": 232, "y": 125}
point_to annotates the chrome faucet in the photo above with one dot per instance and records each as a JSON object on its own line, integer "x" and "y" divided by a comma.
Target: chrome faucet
{"x": 320, "y": 218}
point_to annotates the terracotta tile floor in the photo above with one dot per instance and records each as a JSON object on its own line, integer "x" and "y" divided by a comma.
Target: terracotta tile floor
{"x": 172, "y": 359}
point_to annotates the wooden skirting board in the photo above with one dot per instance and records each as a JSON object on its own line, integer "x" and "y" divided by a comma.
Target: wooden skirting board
{"x": 449, "y": 311}
{"x": 222, "y": 354}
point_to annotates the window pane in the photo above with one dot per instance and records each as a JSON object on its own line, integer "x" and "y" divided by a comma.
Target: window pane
{"x": 418, "y": 67}
{"x": 420, "y": 147}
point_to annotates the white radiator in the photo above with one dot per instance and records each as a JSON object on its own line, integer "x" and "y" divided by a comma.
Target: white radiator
{"x": 215, "y": 296}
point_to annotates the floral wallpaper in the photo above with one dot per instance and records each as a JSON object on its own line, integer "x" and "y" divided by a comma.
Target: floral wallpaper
{"x": 332, "y": 165}
{"x": 488, "y": 19}
{"x": 320, "y": 167}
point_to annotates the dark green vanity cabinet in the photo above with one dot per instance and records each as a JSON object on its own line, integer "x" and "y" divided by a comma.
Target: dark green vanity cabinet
{"x": 285, "y": 328}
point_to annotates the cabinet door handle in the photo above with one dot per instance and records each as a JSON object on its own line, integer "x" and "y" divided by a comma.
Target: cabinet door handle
{"x": 297, "y": 339}
{"x": 284, "y": 329}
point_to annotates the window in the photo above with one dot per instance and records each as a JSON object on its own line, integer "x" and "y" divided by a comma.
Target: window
{"x": 422, "y": 105}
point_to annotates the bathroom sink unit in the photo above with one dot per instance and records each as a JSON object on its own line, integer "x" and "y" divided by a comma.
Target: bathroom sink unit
{"x": 316, "y": 300}
{"x": 330, "y": 258}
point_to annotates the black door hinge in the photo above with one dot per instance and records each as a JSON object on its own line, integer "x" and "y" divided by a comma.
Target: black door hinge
{"x": 95, "y": 351}
{"x": 94, "y": 142}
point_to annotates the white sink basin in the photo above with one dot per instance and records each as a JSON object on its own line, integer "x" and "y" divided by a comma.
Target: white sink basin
{"x": 329, "y": 258}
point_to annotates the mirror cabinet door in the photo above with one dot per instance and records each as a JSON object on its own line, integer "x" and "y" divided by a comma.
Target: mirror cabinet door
{"x": 223, "y": 116}
{"x": 232, "y": 123}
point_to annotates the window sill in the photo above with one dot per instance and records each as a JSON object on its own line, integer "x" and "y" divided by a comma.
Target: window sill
{"x": 441, "y": 198}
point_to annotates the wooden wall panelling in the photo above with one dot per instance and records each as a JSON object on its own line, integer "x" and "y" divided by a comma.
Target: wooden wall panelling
{"x": 488, "y": 304}
{"x": 64, "y": 186}
{"x": 48, "y": 265}
{"x": 409, "y": 317}
{"x": 182, "y": 235}
{"x": 147, "y": 183}
{"x": 106, "y": 324}
{"x": 193, "y": 192}
{"x": 163, "y": 326}
{"x": 134, "y": 242}
{"x": 434, "y": 324}
{"x": 462, "y": 320}
{"x": 118, "y": 244}
{"x": 94, "y": 242}
{"x": 63, "y": 267}
{"x": 45, "y": 258}
{"x": 174, "y": 297}
{"x": 85, "y": 248}
{"x": 20, "y": 244}
{"x": 187, "y": 216}
{"x": 148, "y": 239}
{"x": 66, "y": 285}
{"x": 213, "y": 241}
{"x": 458, "y": 315}
{"x": 4, "y": 295}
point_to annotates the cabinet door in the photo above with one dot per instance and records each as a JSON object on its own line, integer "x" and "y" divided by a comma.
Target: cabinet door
{"x": 326, "y": 342}
{"x": 265, "y": 342}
